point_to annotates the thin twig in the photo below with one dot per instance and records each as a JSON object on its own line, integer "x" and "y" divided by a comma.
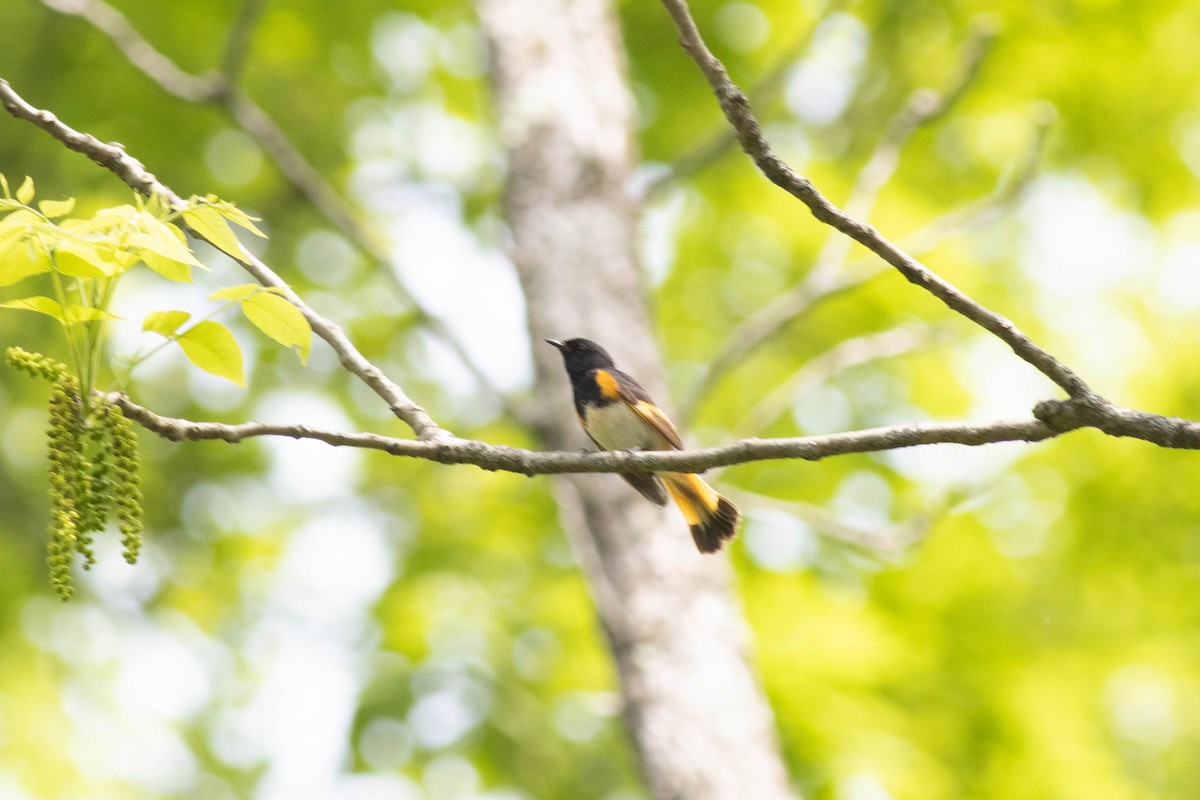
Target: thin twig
{"x": 237, "y": 43}
{"x": 826, "y": 366}
{"x": 114, "y": 158}
{"x": 140, "y": 52}
{"x": 880, "y": 540}
{"x": 986, "y": 209}
{"x": 737, "y": 110}
{"x": 827, "y": 274}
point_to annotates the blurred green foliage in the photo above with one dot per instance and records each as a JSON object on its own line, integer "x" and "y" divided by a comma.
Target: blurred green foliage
{"x": 308, "y": 623}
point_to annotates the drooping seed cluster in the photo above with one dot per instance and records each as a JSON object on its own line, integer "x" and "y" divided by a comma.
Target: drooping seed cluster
{"x": 93, "y": 467}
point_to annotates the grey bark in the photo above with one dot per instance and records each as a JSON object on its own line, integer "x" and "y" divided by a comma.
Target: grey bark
{"x": 695, "y": 712}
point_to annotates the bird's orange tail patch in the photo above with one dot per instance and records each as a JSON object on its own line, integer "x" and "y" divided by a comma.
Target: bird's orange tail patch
{"x": 711, "y": 517}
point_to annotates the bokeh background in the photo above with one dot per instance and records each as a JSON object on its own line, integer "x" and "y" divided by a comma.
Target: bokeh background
{"x": 999, "y": 622}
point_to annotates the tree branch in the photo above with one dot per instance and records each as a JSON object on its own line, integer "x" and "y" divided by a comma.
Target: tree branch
{"x": 737, "y": 111}
{"x": 1052, "y": 418}
{"x": 452, "y": 450}
{"x": 114, "y": 158}
{"x": 825, "y": 284}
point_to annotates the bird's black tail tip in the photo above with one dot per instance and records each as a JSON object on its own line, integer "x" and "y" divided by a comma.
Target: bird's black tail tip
{"x": 717, "y": 527}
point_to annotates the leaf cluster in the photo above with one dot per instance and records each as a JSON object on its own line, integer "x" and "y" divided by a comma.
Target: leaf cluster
{"x": 84, "y": 258}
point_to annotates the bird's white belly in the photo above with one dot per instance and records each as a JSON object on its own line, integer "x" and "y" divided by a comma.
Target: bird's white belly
{"x": 616, "y": 426}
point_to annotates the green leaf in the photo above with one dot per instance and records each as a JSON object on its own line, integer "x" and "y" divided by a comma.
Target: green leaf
{"x": 20, "y": 259}
{"x": 73, "y": 315}
{"x": 77, "y": 313}
{"x": 165, "y": 323}
{"x": 211, "y": 347}
{"x": 25, "y": 193}
{"x": 170, "y": 269}
{"x": 210, "y": 225}
{"x": 21, "y": 222}
{"x": 279, "y": 319}
{"x": 42, "y": 305}
{"x": 235, "y": 215}
{"x": 57, "y": 208}
{"x": 20, "y": 254}
{"x": 166, "y": 240}
{"x": 82, "y": 261}
{"x": 106, "y": 220}
{"x": 235, "y": 293}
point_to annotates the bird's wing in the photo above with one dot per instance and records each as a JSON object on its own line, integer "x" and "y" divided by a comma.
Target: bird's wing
{"x": 633, "y": 395}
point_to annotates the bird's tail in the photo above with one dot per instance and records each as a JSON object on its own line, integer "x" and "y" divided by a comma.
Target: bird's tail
{"x": 712, "y": 518}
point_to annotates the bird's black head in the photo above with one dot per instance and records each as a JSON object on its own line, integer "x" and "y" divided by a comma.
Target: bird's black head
{"x": 582, "y": 355}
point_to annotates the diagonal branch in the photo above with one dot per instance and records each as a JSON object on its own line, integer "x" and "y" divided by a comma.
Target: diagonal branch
{"x": 114, "y": 158}
{"x": 221, "y": 90}
{"x": 822, "y": 285}
{"x": 825, "y": 284}
{"x": 827, "y": 278}
{"x": 737, "y": 111}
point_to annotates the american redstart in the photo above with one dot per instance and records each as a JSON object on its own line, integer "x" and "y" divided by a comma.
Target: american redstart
{"x": 618, "y": 414}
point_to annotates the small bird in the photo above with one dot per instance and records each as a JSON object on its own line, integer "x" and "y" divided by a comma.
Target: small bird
{"x": 618, "y": 414}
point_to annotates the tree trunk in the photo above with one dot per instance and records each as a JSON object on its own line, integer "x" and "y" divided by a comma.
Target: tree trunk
{"x": 697, "y": 716}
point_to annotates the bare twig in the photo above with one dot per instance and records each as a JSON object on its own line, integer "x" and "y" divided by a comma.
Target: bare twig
{"x": 827, "y": 274}
{"x": 804, "y": 298}
{"x": 1006, "y": 194}
{"x": 114, "y": 158}
{"x": 737, "y": 110}
{"x": 237, "y": 43}
{"x": 825, "y": 284}
{"x": 881, "y": 540}
{"x": 221, "y": 90}
{"x": 923, "y": 107}
{"x": 822, "y": 368}
{"x": 140, "y": 52}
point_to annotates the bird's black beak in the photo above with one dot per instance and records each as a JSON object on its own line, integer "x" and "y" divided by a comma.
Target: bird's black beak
{"x": 555, "y": 343}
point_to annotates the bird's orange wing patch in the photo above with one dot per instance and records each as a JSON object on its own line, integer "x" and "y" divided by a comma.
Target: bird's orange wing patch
{"x": 658, "y": 420}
